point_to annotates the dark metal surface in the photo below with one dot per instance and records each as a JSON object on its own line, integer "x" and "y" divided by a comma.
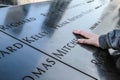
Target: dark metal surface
{"x": 37, "y": 41}
{"x": 19, "y": 2}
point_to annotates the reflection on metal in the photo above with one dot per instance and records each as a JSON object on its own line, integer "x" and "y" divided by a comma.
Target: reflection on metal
{"x": 19, "y": 2}
{"x": 3, "y": 5}
{"x": 56, "y": 11}
{"x": 36, "y": 41}
{"x": 106, "y": 65}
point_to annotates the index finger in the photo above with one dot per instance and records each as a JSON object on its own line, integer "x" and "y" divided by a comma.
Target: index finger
{"x": 82, "y": 33}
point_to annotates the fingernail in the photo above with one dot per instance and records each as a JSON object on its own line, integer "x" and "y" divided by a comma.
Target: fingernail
{"x": 78, "y": 40}
{"x": 75, "y": 31}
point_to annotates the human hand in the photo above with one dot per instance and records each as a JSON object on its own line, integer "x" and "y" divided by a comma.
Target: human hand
{"x": 90, "y": 38}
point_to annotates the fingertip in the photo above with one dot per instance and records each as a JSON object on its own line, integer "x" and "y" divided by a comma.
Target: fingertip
{"x": 79, "y": 40}
{"x": 82, "y": 41}
{"x": 75, "y": 31}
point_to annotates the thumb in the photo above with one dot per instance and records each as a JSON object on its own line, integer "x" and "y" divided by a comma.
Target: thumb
{"x": 84, "y": 41}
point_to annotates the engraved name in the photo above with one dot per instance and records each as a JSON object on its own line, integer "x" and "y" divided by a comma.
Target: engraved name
{"x": 65, "y": 49}
{"x": 39, "y": 71}
{"x": 69, "y": 20}
{"x": 35, "y": 37}
{"x": 95, "y": 25}
{"x": 10, "y": 49}
{"x": 16, "y": 24}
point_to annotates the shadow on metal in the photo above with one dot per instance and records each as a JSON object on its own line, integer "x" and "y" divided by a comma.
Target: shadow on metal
{"x": 108, "y": 66}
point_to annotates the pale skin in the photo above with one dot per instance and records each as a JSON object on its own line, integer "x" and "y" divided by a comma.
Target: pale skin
{"x": 90, "y": 38}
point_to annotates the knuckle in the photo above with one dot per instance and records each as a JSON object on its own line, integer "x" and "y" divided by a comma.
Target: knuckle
{"x": 84, "y": 41}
